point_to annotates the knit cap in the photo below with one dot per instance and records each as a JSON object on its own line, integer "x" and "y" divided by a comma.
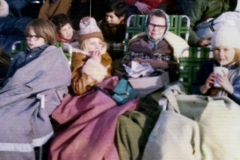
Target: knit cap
{"x": 226, "y": 36}
{"x": 89, "y": 29}
{"x": 4, "y": 8}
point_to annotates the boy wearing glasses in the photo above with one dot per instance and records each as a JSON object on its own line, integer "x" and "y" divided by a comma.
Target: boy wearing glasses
{"x": 153, "y": 47}
{"x": 40, "y": 69}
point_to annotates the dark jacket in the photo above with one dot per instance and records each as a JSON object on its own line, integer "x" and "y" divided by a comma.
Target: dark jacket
{"x": 204, "y": 72}
{"x": 12, "y": 29}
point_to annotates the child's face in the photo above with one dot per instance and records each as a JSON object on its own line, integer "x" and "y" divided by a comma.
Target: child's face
{"x": 224, "y": 55}
{"x": 112, "y": 19}
{"x": 33, "y": 40}
{"x": 66, "y": 31}
{"x": 95, "y": 44}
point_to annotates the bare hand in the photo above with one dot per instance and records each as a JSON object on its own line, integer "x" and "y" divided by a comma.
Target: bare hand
{"x": 224, "y": 82}
{"x": 208, "y": 84}
{"x": 210, "y": 81}
{"x": 142, "y": 7}
{"x": 204, "y": 43}
{"x": 139, "y": 60}
{"x": 156, "y": 63}
{"x": 96, "y": 56}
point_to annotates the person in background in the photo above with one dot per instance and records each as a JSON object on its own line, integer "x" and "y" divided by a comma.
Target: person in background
{"x": 65, "y": 32}
{"x": 113, "y": 27}
{"x": 145, "y": 6}
{"x": 12, "y": 28}
{"x": 41, "y": 70}
{"x": 5, "y": 61}
{"x": 155, "y": 47}
{"x": 54, "y": 7}
{"x": 201, "y": 11}
{"x": 91, "y": 63}
{"x": 226, "y": 51}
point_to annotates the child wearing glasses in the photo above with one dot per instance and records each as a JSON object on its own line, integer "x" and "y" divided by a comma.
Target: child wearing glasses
{"x": 91, "y": 63}
{"x": 156, "y": 46}
{"x": 41, "y": 70}
{"x": 226, "y": 52}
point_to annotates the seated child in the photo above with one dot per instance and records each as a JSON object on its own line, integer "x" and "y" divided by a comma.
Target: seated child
{"x": 65, "y": 32}
{"x": 41, "y": 69}
{"x": 90, "y": 63}
{"x": 113, "y": 27}
{"x": 226, "y": 52}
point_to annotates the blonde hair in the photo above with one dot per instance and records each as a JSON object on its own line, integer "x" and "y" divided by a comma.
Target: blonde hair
{"x": 236, "y": 58}
{"x": 85, "y": 43}
{"x": 43, "y": 28}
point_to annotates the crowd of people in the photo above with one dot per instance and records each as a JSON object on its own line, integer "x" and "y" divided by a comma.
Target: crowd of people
{"x": 78, "y": 119}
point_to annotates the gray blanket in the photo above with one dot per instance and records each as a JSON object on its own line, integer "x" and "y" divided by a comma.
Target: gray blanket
{"x": 24, "y": 124}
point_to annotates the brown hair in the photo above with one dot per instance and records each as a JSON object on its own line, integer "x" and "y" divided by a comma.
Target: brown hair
{"x": 5, "y": 59}
{"x": 236, "y": 58}
{"x": 60, "y": 20}
{"x": 43, "y": 28}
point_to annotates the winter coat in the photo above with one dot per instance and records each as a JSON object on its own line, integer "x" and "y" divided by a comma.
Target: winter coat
{"x": 86, "y": 72}
{"x": 49, "y": 9}
{"x": 153, "y": 4}
{"x": 114, "y": 36}
{"x": 171, "y": 47}
{"x": 204, "y": 72}
{"x": 12, "y": 28}
{"x": 204, "y": 9}
{"x": 24, "y": 124}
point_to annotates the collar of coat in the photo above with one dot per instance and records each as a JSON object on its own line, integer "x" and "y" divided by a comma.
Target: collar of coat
{"x": 176, "y": 42}
{"x": 76, "y": 49}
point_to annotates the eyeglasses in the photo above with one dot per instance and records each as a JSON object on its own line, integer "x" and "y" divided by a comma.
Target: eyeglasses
{"x": 33, "y": 37}
{"x": 156, "y": 25}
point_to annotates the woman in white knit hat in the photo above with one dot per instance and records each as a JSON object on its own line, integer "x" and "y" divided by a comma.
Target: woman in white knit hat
{"x": 226, "y": 48}
{"x": 91, "y": 63}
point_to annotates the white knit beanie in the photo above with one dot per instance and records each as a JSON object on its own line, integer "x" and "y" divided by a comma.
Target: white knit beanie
{"x": 89, "y": 29}
{"x": 4, "y": 8}
{"x": 226, "y": 36}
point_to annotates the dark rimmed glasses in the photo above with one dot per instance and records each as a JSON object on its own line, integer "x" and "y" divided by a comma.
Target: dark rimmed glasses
{"x": 151, "y": 25}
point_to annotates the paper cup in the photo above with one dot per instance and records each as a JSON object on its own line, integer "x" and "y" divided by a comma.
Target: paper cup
{"x": 220, "y": 71}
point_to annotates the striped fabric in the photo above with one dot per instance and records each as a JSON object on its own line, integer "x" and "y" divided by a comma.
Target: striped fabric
{"x": 189, "y": 66}
{"x": 179, "y": 24}
{"x": 19, "y": 46}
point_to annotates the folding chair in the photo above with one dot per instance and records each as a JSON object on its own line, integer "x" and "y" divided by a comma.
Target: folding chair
{"x": 22, "y": 45}
{"x": 179, "y": 25}
{"x": 190, "y": 65}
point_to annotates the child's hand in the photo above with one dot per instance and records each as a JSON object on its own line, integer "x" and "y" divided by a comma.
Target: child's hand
{"x": 208, "y": 84}
{"x": 224, "y": 82}
{"x": 210, "y": 81}
{"x": 96, "y": 56}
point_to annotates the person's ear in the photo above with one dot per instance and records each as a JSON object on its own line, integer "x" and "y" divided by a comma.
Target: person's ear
{"x": 122, "y": 17}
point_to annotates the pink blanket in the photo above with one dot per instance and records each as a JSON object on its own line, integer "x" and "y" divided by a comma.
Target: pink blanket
{"x": 88, "y": 124}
